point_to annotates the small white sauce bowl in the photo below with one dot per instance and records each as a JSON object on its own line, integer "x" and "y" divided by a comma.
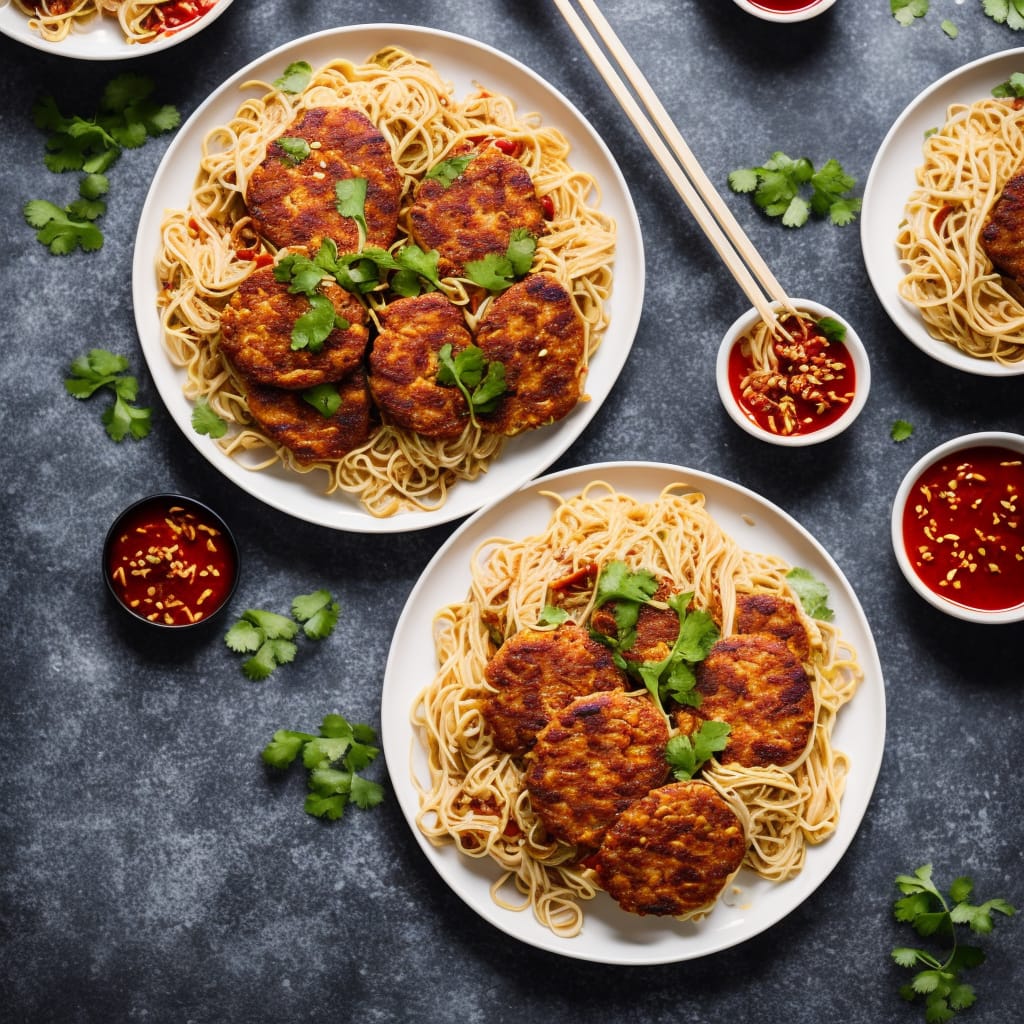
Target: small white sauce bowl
{"x": 861, "y": 369}
{"x": 998, "y": 439}
{"x": 809, "y": 10}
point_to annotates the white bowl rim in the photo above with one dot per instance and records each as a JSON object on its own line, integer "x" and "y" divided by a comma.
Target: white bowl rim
{"x": 861, "y": 365}
{"x": 812, "y": 10}
{"x": 995, "y": 438}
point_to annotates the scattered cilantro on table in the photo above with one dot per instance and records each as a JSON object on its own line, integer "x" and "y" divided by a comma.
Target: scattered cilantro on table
{"x": 901, "y": 430}
{"x": 269, "y": 637}
{"x": 927, "y": 911}
{"x": 792, "y": 190}
{"x": 1008, "y": 12}
{"x": 333, "y": 760}
{"x": 127, "y": 116}
{"x": 98, "y": 369}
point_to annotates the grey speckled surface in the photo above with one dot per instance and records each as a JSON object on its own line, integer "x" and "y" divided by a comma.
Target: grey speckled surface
{"x": 152, "y": 871}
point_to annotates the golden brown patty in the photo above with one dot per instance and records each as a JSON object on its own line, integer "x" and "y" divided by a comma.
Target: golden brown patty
{"x": 287, "y": 418}
{"x": 769, "y": 613}
{"x": 295, "y": 204}
{"x": 657, "y": 629}
{"x": 476, "y": 213}
{"x": 1002, "y": 237}
{"x": 594, "y": 758}
{"x": 754, "y": 682}
{"x": 256, "y": 334}
{"x": 672, "y": 851}
{"x": 537, "y": 672}
{"x": 534, "y": 330}
{"x": 404, "y": 364}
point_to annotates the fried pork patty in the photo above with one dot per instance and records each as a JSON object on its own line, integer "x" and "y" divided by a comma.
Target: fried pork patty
{"x": 770, "y": 613}
{"x": 295, "y": 203}
{"x": 476, "y": 213}
{"x": 1002, "y": 237}
{"x": 595, "y": 756}
{"x": 536, "y": 673}
{"x": 534, "y": 330}
{"x": 404, "y": 364}
{"x": 672, "y": 851}
{"x": 256, "y": 334}
{"x": 287, "y": 418}
{"x": 754, "y": 682}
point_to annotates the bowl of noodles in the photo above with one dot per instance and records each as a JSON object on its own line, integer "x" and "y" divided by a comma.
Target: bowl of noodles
{"x": 929, "y": 200}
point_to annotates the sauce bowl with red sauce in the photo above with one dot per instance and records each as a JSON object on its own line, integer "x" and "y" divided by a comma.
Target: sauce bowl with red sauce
{"x": 785, "y": 10}
{"x": 958, "y": 527}
{"x": 170, "y": 561}
{"x": 817, "y": 389}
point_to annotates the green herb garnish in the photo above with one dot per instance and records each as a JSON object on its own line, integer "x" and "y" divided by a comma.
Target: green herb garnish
{"x": 686, "y": 754}
{"x": 481, "y": 380}
{"x": 102, "y": 369}
{"x": 333, "y": 760}
{"x": 295, "y": 150}
{"x": 497, "y": 271}
{"x": 811, "y": 592}
{"x": 448, "y": 170}
{"x": 901, "y": 430}
{"x": 295, "y": 78}
{"x": 206, "y": 421}
{"x": 927, "y": 911}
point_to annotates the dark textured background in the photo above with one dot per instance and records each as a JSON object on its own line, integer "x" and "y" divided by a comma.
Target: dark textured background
{"x": 150, "y": 870}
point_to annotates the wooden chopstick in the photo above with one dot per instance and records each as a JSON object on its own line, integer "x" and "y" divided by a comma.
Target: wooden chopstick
{"x": 679, "y": 164}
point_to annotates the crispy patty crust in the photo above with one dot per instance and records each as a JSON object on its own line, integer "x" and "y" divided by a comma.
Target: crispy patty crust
{"x": 1002, "y": 237}
{"x": 754, "y": 682}
{"x": 404, "y": 364}
{"x": 595, "y": 756}
{"x": 536, "y": 673}
{"x": 295, "y": 203}
{"x": 672, "y": 851}
{"x": 533, "y": 329}
{"x": 770, "y": 613}
{"x": 287, "y": 418}
{"x": 256, "y": 334}
{"x": 476, "y": 213}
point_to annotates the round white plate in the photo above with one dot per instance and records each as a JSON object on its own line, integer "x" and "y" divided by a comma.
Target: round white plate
{"x": 892, "y": 179}
{"x": 99, "y": 38}
{"x": 466, "y": 64}
{"x": 609, "y": 934}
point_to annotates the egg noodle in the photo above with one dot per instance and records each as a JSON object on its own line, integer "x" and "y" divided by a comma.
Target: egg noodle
{"x": 949, "y": 277}
{"x": 475, "y": 797}
{"x": 199, "y": 267}
{"x": 54, "y": 19}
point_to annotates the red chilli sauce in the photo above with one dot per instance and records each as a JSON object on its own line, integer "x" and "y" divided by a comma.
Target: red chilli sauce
{"x": 173, "y": 17}
{"x": 963, "y": 528}
{"x": 811, "y": 388}
{"x": 170, "y": 566}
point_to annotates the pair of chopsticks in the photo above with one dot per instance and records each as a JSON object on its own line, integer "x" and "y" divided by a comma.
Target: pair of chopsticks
{"x": 677, "y": 161}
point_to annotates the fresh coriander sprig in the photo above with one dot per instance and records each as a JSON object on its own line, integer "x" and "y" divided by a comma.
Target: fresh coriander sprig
{"x": 781, "y": 185}
{"x": 98, "y": 369}
{"x": 333, "y": 760}
{"x": 926, "y": 910}
{"x": 686, "y": 754}
{"x": 498, "y": 271}
{"x": 269, "y": 637}
{"x": 811, "y": 592}
{"x": 481, "y": 380}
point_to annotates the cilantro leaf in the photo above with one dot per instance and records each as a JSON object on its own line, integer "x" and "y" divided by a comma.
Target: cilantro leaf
{"x": 102, "y": 369}
{"x": 325, "y": 398}
{"x": 1013, "y": 87}
{"x": 901, "y": 430}
{"x": 313, "y": 328}
{"x": 779, "y": 185}
{"x": 333, "y": 760}
{"x": 928, "y": 912}
{"x": 1008, "y": 12}
{"x": 906, "y": 11}
{"x": 498, "y": 271}
{"x": 350, "y": 194}
{"x": 318, "y": 612}
{"x": 295, "y": 150}
{"x": 481, "y": 381}
{"x": 686, "y": 754}
{"x": 300, "y": 273}
{"x": 59, "y": 230}
{"x": 206, "y": 421}
{"x": 295, "y": 78}
{"x": 450, "y": 168}
{"x": 811, "y": 592}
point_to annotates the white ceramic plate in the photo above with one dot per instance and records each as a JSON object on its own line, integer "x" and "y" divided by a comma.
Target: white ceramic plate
{"x": 99, "y": 38}
{"x": 465, "y": 63}
{"x": 610, "y": 935}
{"x": 892, "y": 179}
